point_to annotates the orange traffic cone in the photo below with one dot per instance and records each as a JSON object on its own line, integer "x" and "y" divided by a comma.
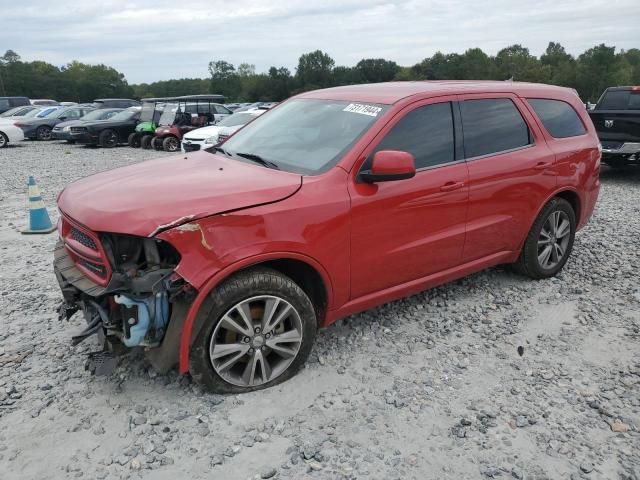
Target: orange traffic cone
{"x": 39, "y": 221}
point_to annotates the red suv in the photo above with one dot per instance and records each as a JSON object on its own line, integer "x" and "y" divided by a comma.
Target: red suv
{"x": 226, "y": 262}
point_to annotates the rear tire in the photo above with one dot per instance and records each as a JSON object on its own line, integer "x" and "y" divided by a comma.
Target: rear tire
{"x": 108, "y": 139}
{"x": 550, "y": 241}
{"x": 43, "y": 132}
{"x": 145, "y": 141}
{"x": 291, "y": 329}
{"x": 171, "y": 144}
{"x": 156, "y": 143}
{"x": 134, "y": 140}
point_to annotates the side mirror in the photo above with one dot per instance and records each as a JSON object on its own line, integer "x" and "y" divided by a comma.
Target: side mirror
{"x": 62, "y": 119}
{"x": 389, "y": 165}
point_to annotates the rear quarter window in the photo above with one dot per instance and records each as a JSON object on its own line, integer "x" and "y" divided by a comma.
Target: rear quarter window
{"x": 558, "y": 117}
{"x": 492, "y": 125}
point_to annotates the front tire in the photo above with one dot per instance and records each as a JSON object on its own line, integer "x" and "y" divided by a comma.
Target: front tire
{"x": 171, "y": 144}
{"x": 4, "y": 140}
{"x": 108, "y": 139}
{"x": 550, "y": 241}
{"x": 43, "y": 133}
{"x": 145, "y": 142}
{"x": 258, "y": 332}
{"x": 134, "y": 140}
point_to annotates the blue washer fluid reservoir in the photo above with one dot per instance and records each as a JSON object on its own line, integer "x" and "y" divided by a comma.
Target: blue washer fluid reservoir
{"x": 152, "y": 312}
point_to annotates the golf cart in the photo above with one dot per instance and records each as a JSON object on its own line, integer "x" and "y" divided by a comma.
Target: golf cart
{"x": 186, "y": 113}
{"x": 149, "y": 116}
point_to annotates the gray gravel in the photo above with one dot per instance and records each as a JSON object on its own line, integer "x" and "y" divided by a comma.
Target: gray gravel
{"x": 428, "y": 387}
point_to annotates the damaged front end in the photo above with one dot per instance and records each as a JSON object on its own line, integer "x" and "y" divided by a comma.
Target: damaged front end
{"x": 125, "y": 286}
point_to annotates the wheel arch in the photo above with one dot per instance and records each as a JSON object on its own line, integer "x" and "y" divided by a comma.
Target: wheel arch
{"x": 568, "y": 194}
{"x": 305, "y": 271}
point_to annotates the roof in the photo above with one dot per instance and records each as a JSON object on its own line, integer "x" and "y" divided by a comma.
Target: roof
{"x": 192, "y": 98}
{"x": 392, "y": 92}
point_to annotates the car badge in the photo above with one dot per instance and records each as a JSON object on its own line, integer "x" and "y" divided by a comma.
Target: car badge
{"x": 608, "y": 123}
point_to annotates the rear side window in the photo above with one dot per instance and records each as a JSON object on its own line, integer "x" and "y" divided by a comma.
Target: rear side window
{"x": 426, "y": 133}
{"x": 559, "y": 118}
{"x": 491, "y": 126}
{"x": 615, "y": 100}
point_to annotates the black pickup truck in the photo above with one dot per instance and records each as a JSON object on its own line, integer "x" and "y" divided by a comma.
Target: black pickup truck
{"x": 616, "y": 117}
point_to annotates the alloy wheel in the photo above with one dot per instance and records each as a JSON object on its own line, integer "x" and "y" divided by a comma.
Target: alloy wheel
{"x": 256, "y": 341}
{"x": 554, "y": 239}
{"x": 44, "y": 133}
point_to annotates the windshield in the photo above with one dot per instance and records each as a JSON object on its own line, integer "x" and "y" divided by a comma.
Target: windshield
{"x": 58, "y": 113}
{"x": 99, "y": 114}
{"x": 168, "y": 114}
{"x": 304, "y": 135}
{"x": 124, "y": 115}
{"x": 146, "y": 115}
{"x": 47, "y": 112}
{"x": 236, "y": 119}
{"x": 33, "y": 113}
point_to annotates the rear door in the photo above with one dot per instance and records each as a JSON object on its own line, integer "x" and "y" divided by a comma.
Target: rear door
{"x": 511, "y": 172}
{"x": 409, "y": 229}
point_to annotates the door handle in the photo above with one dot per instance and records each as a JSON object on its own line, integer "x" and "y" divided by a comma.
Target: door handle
{"x": 541, "y": 166}
{"x": 450, "y": 186}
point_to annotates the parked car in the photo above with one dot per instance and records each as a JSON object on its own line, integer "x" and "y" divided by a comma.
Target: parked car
{"x": 7, "y": 103}
{"x": 107, "y": 133}
{"x": 209, "y": 136}
{"x": 616, "y": 117}
{"x": 62, "y": 131}
{"x": 333, "y": 202}
{"x": 115, "y": 103}
{"x": 68, "y": 104}
{"x": 41, "y": 128}
{"x": 18, "y": 111}
{"x": 9, "y": 133}
{"x": 44, "y": 102}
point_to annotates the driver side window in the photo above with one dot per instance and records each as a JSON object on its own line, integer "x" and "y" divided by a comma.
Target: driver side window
{"x": 426, "y": 133}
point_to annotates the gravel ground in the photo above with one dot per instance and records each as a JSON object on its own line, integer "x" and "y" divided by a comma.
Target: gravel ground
{"x": 427, "y": 387}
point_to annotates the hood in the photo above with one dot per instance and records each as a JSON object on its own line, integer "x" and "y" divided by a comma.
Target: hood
{"x": 229, "y": 130}
{"x": 148, "y": 197}
{"x": 203, "y": 132}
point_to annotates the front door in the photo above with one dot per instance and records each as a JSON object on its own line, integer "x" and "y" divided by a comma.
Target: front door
{"x": 408, "y": 229}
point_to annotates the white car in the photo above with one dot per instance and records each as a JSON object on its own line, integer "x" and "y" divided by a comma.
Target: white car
{"x": 209, "y": 136}
{"x": 9, "y": 133}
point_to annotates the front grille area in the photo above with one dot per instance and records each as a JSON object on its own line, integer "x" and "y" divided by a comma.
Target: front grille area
{"x": 83, "y": 238}
{"x": 85, "y": 250}
{"x": 96, "y": 268}
{"x": 78, "y": 130}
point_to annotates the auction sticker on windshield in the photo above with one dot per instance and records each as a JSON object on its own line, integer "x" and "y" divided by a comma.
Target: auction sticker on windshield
{"x": 363, "y": 109}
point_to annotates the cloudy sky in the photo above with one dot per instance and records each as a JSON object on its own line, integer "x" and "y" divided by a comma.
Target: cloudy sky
{"x": 158, "y": 39}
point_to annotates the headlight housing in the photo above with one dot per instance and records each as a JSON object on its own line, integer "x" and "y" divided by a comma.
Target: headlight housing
{"x": 66, "y": 129}
{"x": 211, "y": 140}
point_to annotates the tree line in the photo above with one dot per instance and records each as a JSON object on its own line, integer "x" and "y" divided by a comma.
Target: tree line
{"x": 589, "y": 73}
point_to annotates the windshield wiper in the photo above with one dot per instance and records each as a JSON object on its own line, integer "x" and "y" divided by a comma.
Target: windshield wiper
{"x": 258, "y": 159}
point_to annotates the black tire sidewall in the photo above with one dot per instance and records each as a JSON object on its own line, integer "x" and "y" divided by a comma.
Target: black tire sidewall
{"x": 134, "y": 140}
{"x": 104, "y": 135}
{"x": 5, "y": 140}
{"x": 145, "y": 142}
{"x": 251, "y": 283}
{"x": 530, "y": 251}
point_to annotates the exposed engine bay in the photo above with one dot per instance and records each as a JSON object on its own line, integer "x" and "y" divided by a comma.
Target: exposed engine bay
{"x": 135, "y": 305}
